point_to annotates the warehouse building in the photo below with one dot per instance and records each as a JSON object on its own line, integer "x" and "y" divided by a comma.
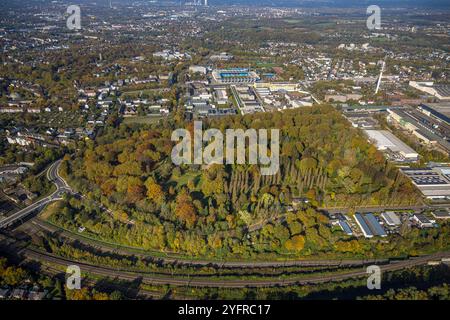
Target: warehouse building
{"x": 423, "y": 221}
{"x": 438, "y": 111}
{"x": 391, "y": 218}
{"x": 440, "y": 91}
{"x": 278, "y": 86}
{"x": 441, "y": 214}
{"x": 393, "y": 147}
{"x": 197, "y": 69}
{"x": 430, "y": 128}
{"x": 434, "y": 183}
{"x": 369, "y": 225}
{"x": 345, "y": 227}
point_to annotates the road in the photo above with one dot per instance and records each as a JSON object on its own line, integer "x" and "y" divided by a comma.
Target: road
{"x": 61, "y": 188}
{"x": 148, "y": 278}
{"x": 62, "y": 185}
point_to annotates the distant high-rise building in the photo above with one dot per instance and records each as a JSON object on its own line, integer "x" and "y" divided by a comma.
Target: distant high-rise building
{"x": 195, "y": 3}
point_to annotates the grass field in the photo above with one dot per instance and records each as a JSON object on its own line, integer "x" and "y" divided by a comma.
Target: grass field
{"x": 183, "y": 180}
{"x": 142, "y": 119}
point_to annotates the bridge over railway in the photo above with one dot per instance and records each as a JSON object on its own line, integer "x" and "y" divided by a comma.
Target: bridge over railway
{"x": 61, "y": 188}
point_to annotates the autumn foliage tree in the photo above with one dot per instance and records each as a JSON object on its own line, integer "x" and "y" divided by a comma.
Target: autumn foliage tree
{"x": 154, "y": 190}
{"x": 296, "y": 243}
{"x": 185, "y": 209}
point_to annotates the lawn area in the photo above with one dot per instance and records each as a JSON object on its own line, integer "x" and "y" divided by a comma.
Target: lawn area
{"x": 50, "y": 209}
{"x": 187, "y": 177}
{"x": 142, "y": 119}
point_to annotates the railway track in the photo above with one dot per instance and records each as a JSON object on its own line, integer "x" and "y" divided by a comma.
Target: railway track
{"x": 215, "y": 263}
{"x": 229, "y": 283}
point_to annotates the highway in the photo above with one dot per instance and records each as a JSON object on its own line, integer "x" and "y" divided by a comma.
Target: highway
{"x": 61, "y": 188}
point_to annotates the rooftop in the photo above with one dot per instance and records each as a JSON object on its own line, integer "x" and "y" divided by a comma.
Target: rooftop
{"x": 369, "y": 225}
{"x": 391, "y": 218}
{"x": 386, "y": 140}
{"x": 441, "y": 214}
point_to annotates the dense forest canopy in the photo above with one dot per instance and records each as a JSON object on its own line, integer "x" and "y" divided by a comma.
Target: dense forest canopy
{"x": 322, "y": 158}
{"x": 199, "y": 209}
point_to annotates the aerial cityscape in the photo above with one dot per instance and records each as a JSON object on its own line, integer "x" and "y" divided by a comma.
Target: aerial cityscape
{"x": 224, "y": 150}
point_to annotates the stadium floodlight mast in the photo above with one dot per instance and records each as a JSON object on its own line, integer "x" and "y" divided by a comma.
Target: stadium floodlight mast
{"x": 380, "y": 77}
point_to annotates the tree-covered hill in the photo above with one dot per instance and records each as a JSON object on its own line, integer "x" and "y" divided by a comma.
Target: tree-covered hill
{"x": 323, "y": 161}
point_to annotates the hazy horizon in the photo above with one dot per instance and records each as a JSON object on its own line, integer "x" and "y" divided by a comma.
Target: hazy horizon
{"x": 281, "y": 3}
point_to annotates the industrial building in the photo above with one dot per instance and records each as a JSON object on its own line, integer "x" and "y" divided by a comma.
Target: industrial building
{"x": 247, "y": 100}
{"x": 440, "y": 112}
{"x": 361, "y": 119}
{"x": 441, "y": 214}
{"x": 424, "y": 126}
{"x": 423, "y": 221}
{"x": 197, "y": 69}
{"x": 221, "y": 95}
{"x": 345, "y": 227}
{"x": 369, "y": 225}
{"x": 440, "y": 91}
{"x": 434, "y": 183}
{"x": 393, "y": 147}
{"x": 278, "y": 86}
{"x": 391, "y": 218}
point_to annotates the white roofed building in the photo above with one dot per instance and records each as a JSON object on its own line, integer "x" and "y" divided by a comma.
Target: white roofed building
{"x": 396, "y": 149}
